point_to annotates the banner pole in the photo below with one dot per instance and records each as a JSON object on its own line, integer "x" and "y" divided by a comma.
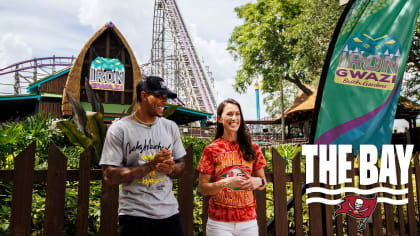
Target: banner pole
{"x": 325, "y": 68}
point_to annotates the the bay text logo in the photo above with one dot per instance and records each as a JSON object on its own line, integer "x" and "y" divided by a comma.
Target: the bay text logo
{"x": 377, "y": 173}
{"x": 369, "y": 173}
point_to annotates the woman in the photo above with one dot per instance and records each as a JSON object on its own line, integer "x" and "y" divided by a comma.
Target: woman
{"x": 231, "y": 167}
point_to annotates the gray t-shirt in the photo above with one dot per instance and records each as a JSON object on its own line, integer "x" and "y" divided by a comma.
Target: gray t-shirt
{"x": 129, "y": 143}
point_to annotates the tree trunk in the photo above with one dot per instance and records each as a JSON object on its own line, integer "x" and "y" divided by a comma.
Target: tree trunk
{"x": 299, "y": 84}
{"x": 283, "y": 129}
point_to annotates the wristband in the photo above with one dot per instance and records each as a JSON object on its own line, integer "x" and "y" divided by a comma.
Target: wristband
{"x": 262, "y": 182}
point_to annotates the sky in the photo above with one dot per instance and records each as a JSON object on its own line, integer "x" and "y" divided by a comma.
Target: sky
{"x": 49, "y": 27}
{"x": 35, "y": 28}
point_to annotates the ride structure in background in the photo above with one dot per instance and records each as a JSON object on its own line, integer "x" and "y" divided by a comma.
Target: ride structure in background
{"x": 174, "y": 58}
{"x": 29, "y": 71}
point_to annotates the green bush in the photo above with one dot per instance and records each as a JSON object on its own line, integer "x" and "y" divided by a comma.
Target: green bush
{"x": 286, "y": 151}
{"x": 15, "y": 137}
{"x": 198, "y": 146}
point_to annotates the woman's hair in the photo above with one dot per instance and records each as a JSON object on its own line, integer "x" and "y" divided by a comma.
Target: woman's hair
{"x": 244, "y": 138}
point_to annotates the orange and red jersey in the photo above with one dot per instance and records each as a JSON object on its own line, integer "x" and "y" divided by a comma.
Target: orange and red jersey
{"x": 223, "y": 159}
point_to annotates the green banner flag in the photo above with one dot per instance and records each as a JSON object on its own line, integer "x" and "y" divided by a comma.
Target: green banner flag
{"x": 362, "y": 76}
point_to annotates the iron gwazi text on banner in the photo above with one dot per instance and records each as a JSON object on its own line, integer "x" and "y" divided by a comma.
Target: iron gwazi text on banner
{"x": 362, "y": 76}
{"x": 107, "y": 74}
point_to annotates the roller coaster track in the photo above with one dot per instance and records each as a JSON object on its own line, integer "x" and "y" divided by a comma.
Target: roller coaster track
{"x": 29, "y": 71}
{"x": 174, "y": 58}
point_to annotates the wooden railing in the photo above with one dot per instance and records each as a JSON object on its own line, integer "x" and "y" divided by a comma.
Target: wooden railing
{"x": 320, "y": 215}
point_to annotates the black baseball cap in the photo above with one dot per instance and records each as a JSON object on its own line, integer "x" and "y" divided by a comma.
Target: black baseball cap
{"x": 154, "y": 84}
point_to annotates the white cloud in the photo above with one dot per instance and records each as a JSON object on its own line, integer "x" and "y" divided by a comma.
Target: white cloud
{"x": 215, "y": 19}
{"x": 43, "y": 28}
{"x": 49, "y": 27}
{"x": 13, "y": 48}
{"x": 133, "y": 18}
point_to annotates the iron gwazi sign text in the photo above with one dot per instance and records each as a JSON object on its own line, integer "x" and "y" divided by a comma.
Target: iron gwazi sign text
{"x": 107, "y": 74}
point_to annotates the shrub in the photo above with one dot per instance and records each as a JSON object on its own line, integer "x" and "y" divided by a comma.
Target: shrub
{"x": 15, "y": 137}
{"x": 198, "y": 146}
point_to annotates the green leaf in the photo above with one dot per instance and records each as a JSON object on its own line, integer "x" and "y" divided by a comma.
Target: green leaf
{"x": 130, "y": 109}
{"x": 93, "y": 98}
{"x": 73, "y": 134}
{"x": 281, "y": 41}
{"x": 79, "y": 113}
{"x": 170, "y": 110}
{"x": 97, "y": 132}
{"x": 10, "y": 133}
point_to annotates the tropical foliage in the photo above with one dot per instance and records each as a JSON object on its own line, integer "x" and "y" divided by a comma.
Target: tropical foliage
{"x": 411, "y": 84}
{"x": 16, "y": 136}
{"x": 198, "y": 146}
{"x": 284, "y": 42}
{"x": 88, "y": 128}
{"x": 282, "y": 39}
{"x": 287, "y": 152}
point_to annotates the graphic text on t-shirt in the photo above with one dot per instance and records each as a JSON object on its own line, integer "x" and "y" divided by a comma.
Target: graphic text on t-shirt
{"x": 146, "y": 146}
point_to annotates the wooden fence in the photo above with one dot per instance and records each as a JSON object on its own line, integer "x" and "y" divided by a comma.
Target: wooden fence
{"x": 395, "y": 220}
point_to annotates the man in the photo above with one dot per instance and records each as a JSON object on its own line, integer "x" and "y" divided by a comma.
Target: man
{"x": 143, "y": 152}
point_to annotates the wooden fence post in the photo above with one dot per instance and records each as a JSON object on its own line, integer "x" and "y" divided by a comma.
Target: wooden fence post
{"x": 205, "y": 213}
{"x": 56, "y": 191}
{"x": 339, "y": 226}
{"x": 351, "y": 222}
{"x": 412, "y": 226}
{"x": 57, "y": 174}
{"x": 186, "y": 193}
{"x": 417, "y": 175}
{"x": 261, "y": 198}
{"x": 23, "y": 180}
{"x": 366, "y": 232}
{"x": 297, "y": 194}
{"x": 327, "y": 209}
{"x": 400, "y": 210}
{"x": 83, "y": 193}
{"x": 389, "y": 214}
{"x": 109, "y": 210}
{"x": 280, "y": 194}
{"x": 327, "y": 214}
{"x": 377, "y": 225}
{"x": 261, "y": 201}
{"x": 315, "y": 209}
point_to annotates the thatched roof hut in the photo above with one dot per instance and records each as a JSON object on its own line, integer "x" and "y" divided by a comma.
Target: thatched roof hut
{"x": 110, "y": 68}
{"x": 300, "y": 112}
{"x": 301, "y": 109}
{"x": 107, "y": 42}
{"x": 407, "y": 109}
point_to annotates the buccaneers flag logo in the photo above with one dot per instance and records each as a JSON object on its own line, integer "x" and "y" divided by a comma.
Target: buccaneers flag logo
{"x": 357, "y": 207}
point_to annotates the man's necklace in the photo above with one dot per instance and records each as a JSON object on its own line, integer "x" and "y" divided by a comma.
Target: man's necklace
{"x": 140, "y": 121}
